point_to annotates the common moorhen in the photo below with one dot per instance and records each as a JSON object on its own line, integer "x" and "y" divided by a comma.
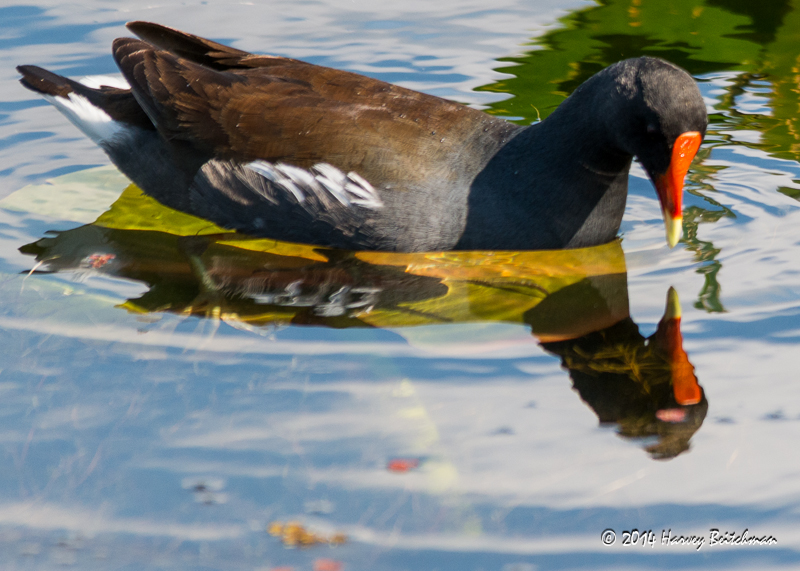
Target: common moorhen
{"x": 284, "y": 149}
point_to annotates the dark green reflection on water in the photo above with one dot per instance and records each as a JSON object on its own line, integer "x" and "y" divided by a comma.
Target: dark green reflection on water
{"x": 694, "y": 35}
{"x": 756, "y": 40}
{"x": 765, "y": 17}
{"x": 702, "y": 37}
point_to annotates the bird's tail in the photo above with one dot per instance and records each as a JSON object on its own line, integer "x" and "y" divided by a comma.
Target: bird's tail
{"x": 100, "y": 111}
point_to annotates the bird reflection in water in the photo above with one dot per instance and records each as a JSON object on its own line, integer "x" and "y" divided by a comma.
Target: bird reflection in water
{"x": 575, "y": 302}
{"x": 646, "y": 386}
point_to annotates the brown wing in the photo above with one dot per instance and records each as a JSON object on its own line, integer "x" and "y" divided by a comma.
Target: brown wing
{"x": 243, "y": 107}
{"x": 200, "y": 50}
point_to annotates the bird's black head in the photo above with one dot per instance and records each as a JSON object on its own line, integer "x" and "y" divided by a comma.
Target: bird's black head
{"x": 654, "y": 111}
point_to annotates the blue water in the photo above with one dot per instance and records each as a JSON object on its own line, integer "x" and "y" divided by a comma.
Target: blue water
{"x": 140, "y": 431}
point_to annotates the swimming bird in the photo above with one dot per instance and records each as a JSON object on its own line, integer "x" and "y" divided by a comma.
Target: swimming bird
{"x": 279, "y": 148}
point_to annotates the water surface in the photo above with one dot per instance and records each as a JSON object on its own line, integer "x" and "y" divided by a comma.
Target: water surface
{"x": 171, "y": 395}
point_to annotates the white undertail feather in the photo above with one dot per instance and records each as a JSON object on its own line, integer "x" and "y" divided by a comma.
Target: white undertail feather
{"x": 93, "y": 121}
{"x": 323, "y": 180}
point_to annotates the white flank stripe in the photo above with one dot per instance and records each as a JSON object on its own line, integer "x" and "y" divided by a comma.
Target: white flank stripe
{"x": 347, "y": 189}
{"x": 359, "y": 191}
{"x": 335, "y": 189}
{"x": 297, "y": 175}
{"x": 269, "y": 172}
{"x": 331, "y": 173}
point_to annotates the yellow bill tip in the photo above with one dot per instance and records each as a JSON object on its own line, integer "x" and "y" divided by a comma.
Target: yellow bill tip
{"x": 674, "y": 229}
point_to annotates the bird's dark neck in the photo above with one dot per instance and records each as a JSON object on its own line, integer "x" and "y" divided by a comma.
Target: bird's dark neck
{"x": 561, "y": 183}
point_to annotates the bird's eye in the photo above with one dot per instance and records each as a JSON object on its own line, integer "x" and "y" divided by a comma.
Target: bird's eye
{"x": 652, "y": 129}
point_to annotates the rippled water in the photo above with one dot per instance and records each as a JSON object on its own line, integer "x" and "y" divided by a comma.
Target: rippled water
{"x": 172, "y": 398}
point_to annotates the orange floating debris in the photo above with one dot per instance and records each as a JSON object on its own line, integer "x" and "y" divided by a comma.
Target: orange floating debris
{"x": 402, "y": 464}
{"x": 328, "y": 565}
{"x": 293, "y": 534}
